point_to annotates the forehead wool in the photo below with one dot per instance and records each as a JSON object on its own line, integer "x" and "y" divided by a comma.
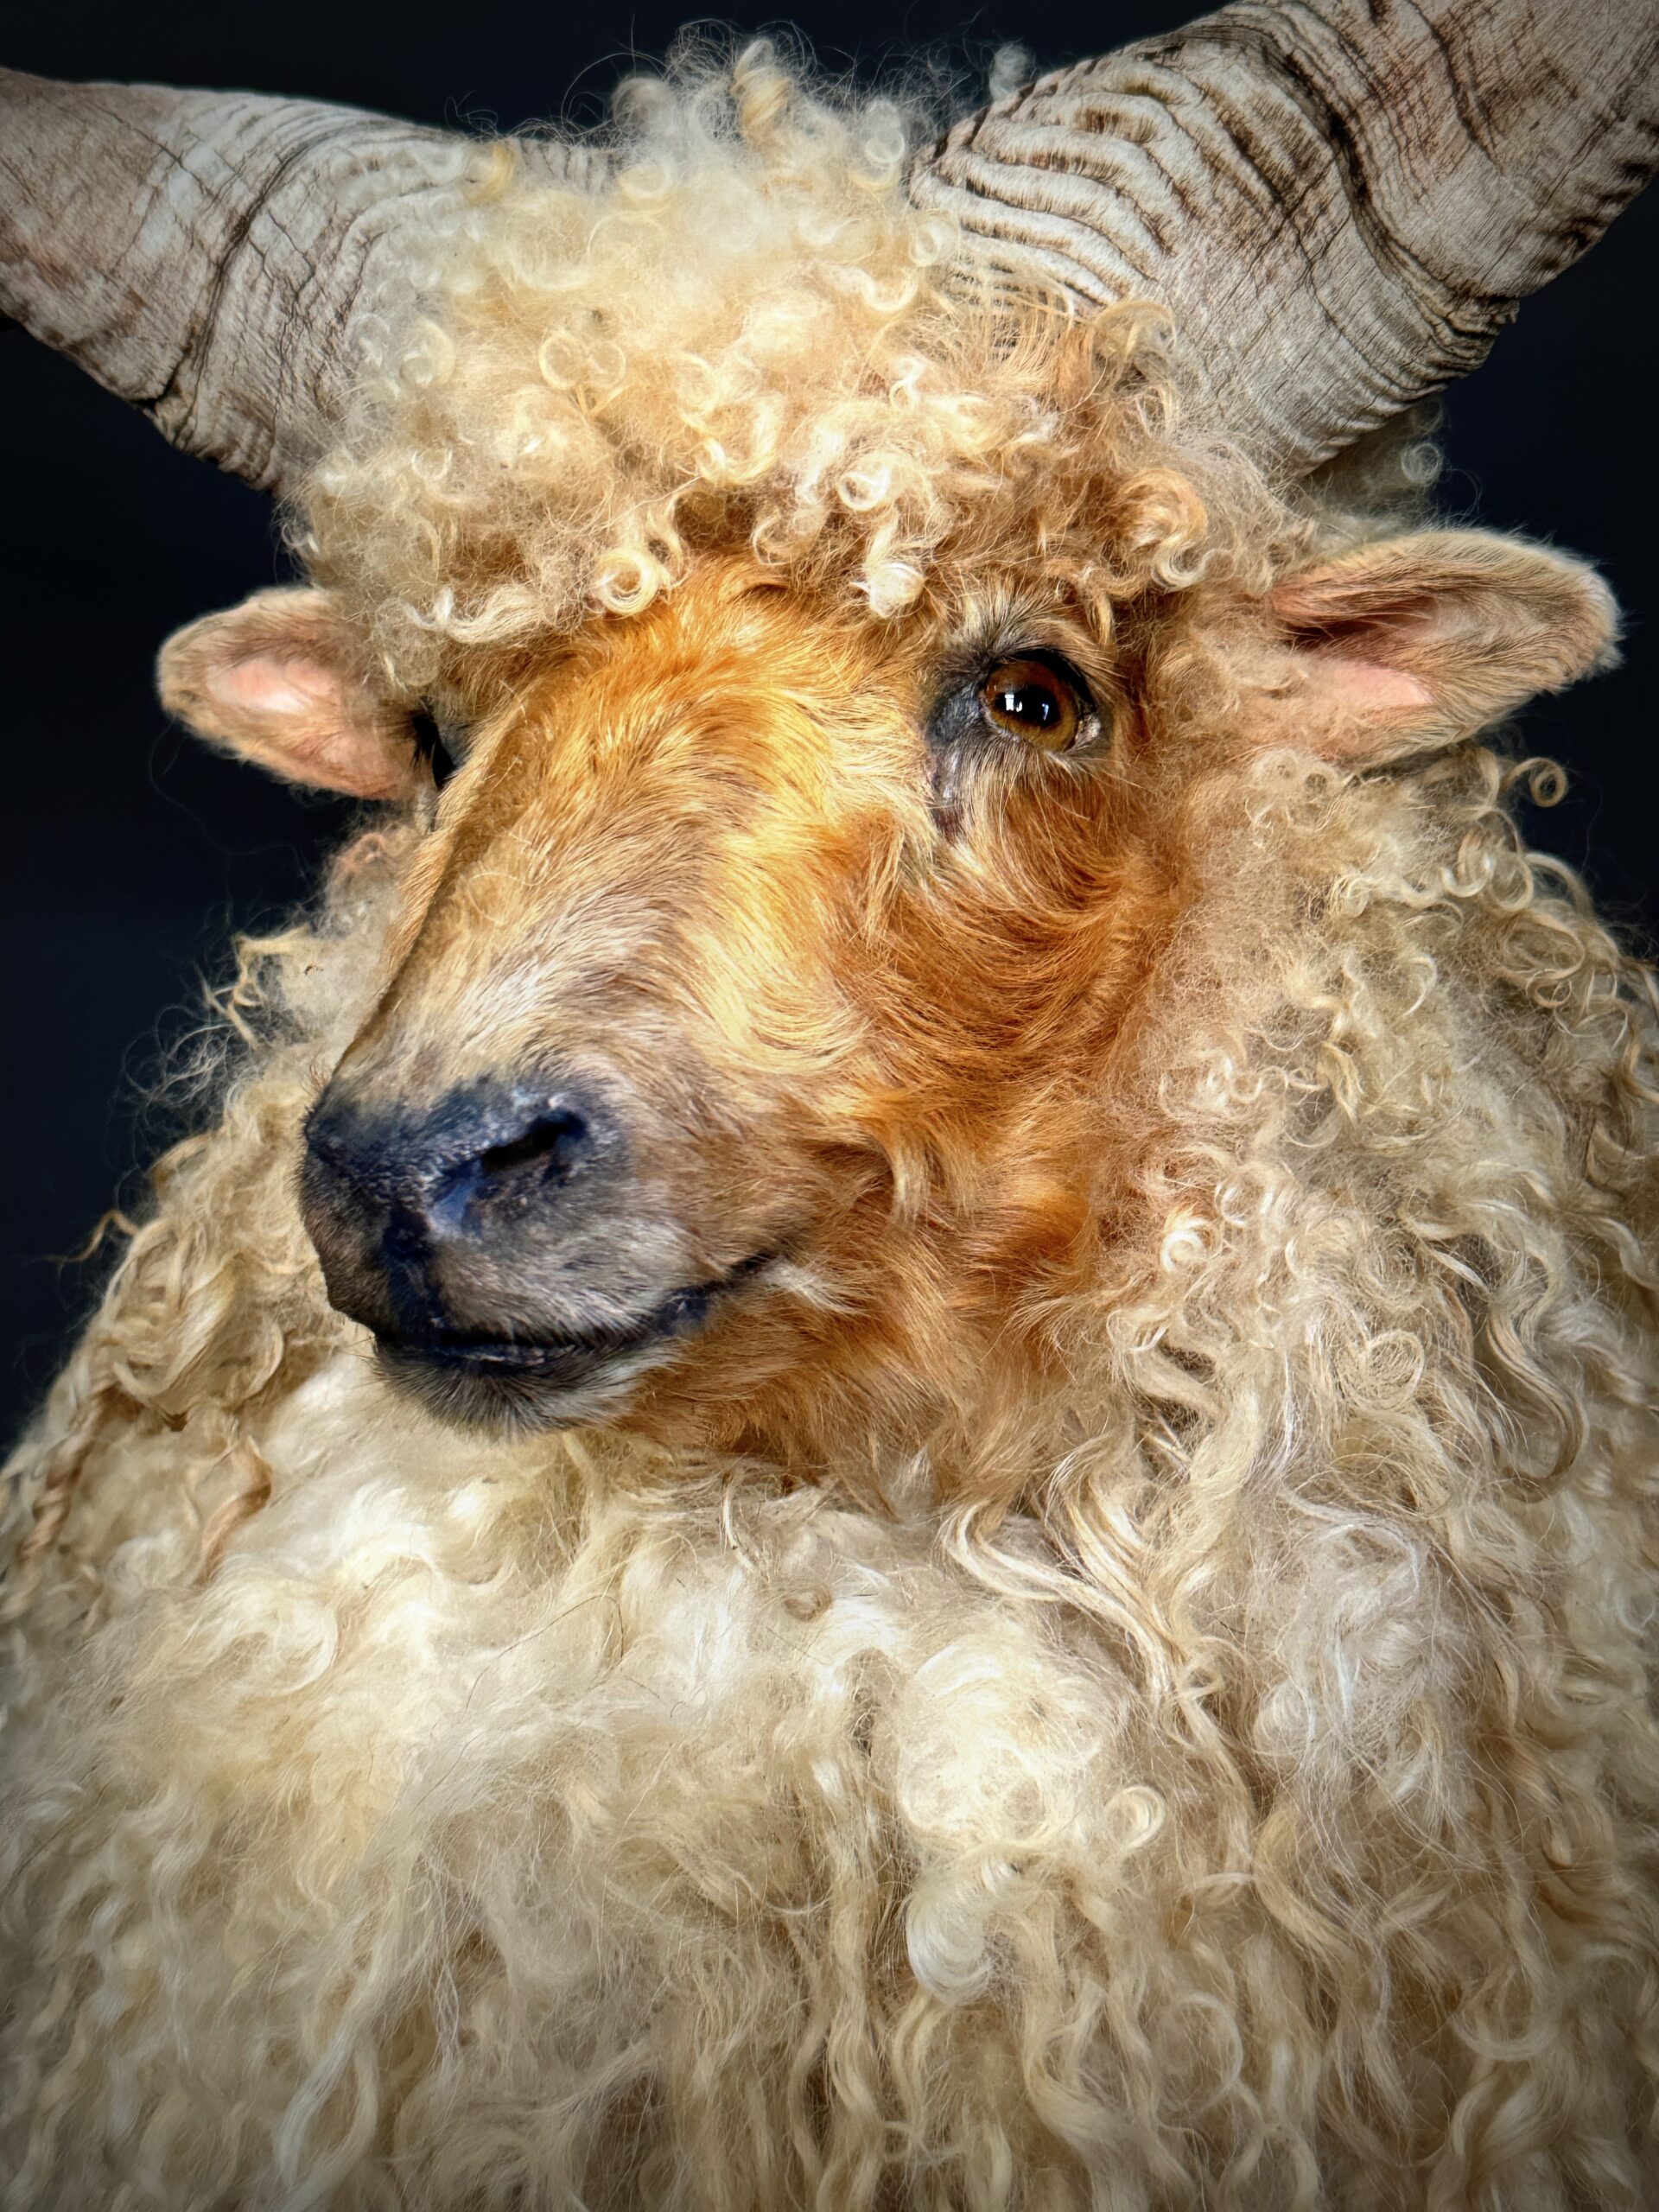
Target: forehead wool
{"x": 746, "y": 337}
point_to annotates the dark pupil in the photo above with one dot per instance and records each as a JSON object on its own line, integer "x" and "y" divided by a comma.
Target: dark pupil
{"x": 1029, "y": 703}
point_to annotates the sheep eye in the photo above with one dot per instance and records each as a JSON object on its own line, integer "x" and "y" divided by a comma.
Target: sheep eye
{"x": 1034, "y": 700}
{"x": 430, "y": 747}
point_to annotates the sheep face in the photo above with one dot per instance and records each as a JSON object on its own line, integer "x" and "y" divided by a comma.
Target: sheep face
{"x": 757, "y": 1038}
{"x": 749, "y": 988}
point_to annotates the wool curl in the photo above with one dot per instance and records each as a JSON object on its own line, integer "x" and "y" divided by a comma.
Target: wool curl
{"x": 750, "y": 335}
{"x": 1255, "y": 1810}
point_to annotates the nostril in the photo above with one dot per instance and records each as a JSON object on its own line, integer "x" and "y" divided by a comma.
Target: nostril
{"x": 559, "y": 1138}
{"x": 505, "y": 1174}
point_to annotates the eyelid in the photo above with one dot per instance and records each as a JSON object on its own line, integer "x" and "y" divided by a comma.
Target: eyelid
{"x": 1049, "y": 656}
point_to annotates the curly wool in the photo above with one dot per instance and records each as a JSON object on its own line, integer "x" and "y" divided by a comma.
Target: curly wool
{"x": 1258, "y": 1812}
{"x": 1275, "y": 1784}
{"x": 752, "y": 336}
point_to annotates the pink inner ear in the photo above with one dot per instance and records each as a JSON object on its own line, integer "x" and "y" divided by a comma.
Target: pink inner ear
{"x": 267, "y": 683}
{"x": 1369, "y": 689}
{"x": 298, "y": 717}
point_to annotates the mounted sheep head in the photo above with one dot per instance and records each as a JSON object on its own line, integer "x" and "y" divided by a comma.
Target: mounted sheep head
{"x": 778, "y": 580}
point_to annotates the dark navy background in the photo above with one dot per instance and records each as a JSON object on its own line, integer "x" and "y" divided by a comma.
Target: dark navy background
{"x": 130, "y": 854}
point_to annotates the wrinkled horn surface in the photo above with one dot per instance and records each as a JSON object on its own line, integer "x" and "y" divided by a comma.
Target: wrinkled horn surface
{"x": 1342, "y": 203}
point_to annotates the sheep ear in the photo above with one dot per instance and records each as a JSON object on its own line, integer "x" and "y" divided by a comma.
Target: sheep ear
{"x": 1420, "y": 641}
{"x": 275, "y": 680}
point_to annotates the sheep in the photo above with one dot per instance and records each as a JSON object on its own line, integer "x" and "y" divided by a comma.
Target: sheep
{"x": 898, "y": 1448}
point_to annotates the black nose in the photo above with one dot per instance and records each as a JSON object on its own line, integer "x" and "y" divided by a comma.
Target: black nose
{"x": 401, "y": 1203}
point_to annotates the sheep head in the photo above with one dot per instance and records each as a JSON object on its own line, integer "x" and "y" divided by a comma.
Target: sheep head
{"x": 758, "y": 1055}
{"x": 836, "y": 629}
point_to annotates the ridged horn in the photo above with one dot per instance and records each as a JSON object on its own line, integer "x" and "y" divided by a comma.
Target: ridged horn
{"x": 1341, "y": 201}
{"x": 202, "y": 254}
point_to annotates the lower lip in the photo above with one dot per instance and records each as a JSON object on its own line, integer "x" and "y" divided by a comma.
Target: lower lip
{"x": 555, "y": 1366}
{"x": 477, "y": 1371}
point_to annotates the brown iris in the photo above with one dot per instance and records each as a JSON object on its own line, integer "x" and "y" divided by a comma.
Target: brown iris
{"x": 1033, "y": 700}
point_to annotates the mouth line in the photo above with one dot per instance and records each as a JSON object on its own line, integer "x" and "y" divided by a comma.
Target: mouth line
{"x": 567, "y": 1358}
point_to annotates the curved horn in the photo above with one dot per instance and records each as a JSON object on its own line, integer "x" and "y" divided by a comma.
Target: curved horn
{"x": 202, "y": 253}
{"x": 1342, "y": 203}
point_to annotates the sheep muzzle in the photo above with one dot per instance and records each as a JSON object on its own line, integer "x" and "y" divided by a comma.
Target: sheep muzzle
{"x": 497, "y": 1246}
